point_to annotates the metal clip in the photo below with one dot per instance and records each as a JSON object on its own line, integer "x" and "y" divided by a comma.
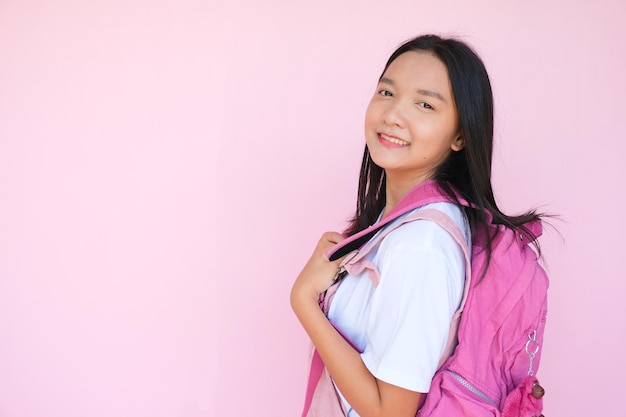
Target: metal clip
{"x": 530, "y": 344}
{"x": 341, "y": 272}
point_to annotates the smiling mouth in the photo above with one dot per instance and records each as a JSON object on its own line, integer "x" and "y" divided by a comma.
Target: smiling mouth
{"x": 393, "y": 140}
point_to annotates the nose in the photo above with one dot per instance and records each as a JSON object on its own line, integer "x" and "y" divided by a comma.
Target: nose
{"x": 394, "y": 114}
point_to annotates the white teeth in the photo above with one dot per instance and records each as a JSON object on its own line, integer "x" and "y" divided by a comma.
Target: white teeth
{"x": 394, "y": 140}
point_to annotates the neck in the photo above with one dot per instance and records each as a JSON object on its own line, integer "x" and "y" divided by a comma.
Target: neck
{"x": 396, "y": 188}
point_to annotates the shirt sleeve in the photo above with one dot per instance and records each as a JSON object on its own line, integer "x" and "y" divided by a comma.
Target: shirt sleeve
{"x": 422, "y": 273}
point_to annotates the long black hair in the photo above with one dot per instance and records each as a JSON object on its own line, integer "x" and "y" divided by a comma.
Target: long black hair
{"x": 467, "y": 171}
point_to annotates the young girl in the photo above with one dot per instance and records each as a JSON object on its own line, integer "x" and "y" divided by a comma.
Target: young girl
{"x": 431, "y": 117}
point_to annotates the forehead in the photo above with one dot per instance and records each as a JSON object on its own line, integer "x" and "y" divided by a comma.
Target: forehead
{"x": 419, "y": 69}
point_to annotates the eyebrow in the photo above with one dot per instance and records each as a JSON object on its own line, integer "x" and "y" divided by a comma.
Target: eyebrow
{"x": 429, "y": 93}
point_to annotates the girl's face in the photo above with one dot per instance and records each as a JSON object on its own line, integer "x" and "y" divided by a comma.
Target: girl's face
{"x": 411, "y": 123}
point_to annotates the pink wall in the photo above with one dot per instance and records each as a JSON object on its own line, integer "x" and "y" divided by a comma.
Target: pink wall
{"x": 167, "y": 166}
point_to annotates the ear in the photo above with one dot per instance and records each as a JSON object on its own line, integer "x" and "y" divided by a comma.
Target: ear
{"x": 458, "y": 143}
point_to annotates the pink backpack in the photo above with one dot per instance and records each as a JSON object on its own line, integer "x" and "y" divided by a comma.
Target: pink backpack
{"x": 493, "y": 349}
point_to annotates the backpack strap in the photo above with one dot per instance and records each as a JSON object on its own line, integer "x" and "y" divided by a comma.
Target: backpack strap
{"x": 315, "y": 373}
{"x": 446, "y": 223}
{"x": 355, "y": 264}
{"x": 425, "y": 193}
{"x": 449, "y": 225}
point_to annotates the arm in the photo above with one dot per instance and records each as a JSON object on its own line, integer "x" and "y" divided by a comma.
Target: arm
{"x": 369, "y": 396}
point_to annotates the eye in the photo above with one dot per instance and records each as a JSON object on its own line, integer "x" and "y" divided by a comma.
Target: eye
{"x": 385, "y": 93}
{"x": 425, "y": 105}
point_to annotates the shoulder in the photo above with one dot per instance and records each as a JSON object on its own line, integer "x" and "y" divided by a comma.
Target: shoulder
{"x": 425, "y": 233}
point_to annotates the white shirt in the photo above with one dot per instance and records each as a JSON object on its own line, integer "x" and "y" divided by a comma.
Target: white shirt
{"x": 402, "y": 325}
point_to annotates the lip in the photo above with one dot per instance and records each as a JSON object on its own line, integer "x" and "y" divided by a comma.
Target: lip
{"x": 386, "y": 140}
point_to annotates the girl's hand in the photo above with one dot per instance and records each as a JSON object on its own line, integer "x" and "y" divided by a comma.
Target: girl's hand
{"x": 318, "y": 273}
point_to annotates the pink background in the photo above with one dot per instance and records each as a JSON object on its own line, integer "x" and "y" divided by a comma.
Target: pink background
{"x": 166, "y": 167}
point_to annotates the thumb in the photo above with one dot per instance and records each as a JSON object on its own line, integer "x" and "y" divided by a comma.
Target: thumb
{"x": 333, "y": 237}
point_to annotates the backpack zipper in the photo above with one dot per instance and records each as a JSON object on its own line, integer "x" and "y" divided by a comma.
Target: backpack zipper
{"x": 471, "y": 388}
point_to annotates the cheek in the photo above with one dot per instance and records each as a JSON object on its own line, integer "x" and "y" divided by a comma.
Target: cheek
{"x": 367, "y": 125}
{"x": 369, "y": 120}
{"x": 436, "y": 130}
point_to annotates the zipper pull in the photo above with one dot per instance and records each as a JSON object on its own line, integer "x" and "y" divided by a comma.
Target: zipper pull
{"x": 530, "y": 344}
